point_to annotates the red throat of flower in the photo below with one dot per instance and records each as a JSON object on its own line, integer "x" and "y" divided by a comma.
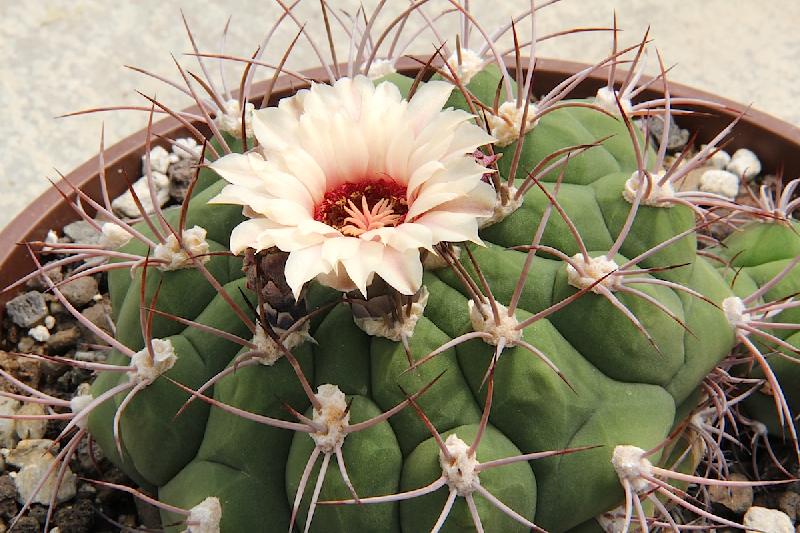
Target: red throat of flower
{"x": 355, "y": 208}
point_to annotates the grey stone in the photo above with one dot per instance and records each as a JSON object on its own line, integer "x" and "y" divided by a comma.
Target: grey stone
{"x": 8, "y": 496}
{"x": 80, "y": 291}
{"x": 63, "y": 340}
{"x": 27, "y": 309}
{"x": 57, "y": 308}
{"x": 77, "y": 517}
{"x": 678, "y": 137}
{"x": 100, "y": 315}
{"x": 789, "y": 503}
{"x": 82, "y": 232}
{"x": 25, "y": 369}
{"x": 181, "y": 173}
{"x": 39, "y": 283}
{"x": 92, "y": 356}
{"x": 738, "y": 499}
{"x": 26, "y": 344}
{"x": 27, "y": 524}
{"x": 8, "y": 426}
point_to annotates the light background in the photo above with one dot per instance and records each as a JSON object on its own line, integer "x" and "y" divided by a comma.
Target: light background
{"x": 59, "y": 56}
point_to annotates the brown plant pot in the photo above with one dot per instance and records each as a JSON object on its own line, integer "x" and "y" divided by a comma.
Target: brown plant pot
{"x": 777, "y": 144}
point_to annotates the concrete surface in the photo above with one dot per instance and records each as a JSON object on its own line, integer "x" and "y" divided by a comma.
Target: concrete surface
{"x": 64, "y": 55}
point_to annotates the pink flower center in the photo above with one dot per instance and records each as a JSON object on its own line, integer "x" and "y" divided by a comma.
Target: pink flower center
{"x": 355, "y": 208}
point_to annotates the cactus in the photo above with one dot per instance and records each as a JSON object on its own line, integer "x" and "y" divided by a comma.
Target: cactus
{"x": 762, "y": 258}
{"x": 267, "y": 371}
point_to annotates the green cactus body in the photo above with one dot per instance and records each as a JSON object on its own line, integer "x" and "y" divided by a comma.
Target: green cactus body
{"x": 626, "y": 388}
{"x": 758, "y": 253}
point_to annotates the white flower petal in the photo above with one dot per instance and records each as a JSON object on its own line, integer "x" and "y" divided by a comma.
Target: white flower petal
{"x": 349, "y": 150}
{"x": 261, "y": 233}
{"x": 401, "y": 270}
{"x": 429, "y": 201}
{"x": 337, "y": 249}
{"x": 479, "y": 203}
{"x": 447, "y": 121}
{"x": 252, "y": 173}
{"x": 337, "y": 279}
{"x": 427, "y": 102}
{"x": 299, "y": 163}
{"x": 398, "y": 154}
{"x": 304, "y": 265}
{"x": 251, "y": 233}
{"x": 457, "y": 179}
{"x": 286, "y": 211}
{"x": 423, "y": 173}
{"x": 275, "y": 128}
{"x": 451, "y": 227}
{"x": 239, "y": 169}
{"x": 307, "y": 233}
{"x": 466, "y": 140}
{"x": 409, "y": 236}
{"x": 362, "y": 266}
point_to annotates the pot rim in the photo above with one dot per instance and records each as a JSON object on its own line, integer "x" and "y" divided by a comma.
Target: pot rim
{"x": 774, "y": 140}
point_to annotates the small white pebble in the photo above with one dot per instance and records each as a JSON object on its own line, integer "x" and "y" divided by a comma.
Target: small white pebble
{"x": 39, "y": 333}
{"x": 8, "y": 426}
{"x": 82, "y": 399}
{"x": 29, "y": 482}
{"x": 720, "y": 159}
{"x": 744, "y": 163}
{"x": 186, "y": 148}
{"x": 720, "y": 182}
{"x": 50, "y": 238}
{"x": 93, "y": 356}
{"x": 97, "y": 297}
{"x": 768, "y": 520}
{"x": 49, "y": 322}
{"x": 113, "y": 235}
{"x": 159, "y": 160}
{"x": 125, "y": 205}
{"x": 33, "y": 428}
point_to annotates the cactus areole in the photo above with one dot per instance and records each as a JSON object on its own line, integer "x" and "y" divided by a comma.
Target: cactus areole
{"x": 435, "y": 304}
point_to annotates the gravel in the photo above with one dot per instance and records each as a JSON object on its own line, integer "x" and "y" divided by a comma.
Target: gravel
{"x": 27, "y": 309}
{"x": 80, "y": 291}
{"x": 82, "y": 232}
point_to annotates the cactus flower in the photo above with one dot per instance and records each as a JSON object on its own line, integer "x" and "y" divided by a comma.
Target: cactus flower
{"x": 352, "y": 180}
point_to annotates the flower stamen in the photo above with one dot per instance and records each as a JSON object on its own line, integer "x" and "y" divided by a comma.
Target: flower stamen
{"x": 360, "y": 221}
{"x": 356, "y": 208}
